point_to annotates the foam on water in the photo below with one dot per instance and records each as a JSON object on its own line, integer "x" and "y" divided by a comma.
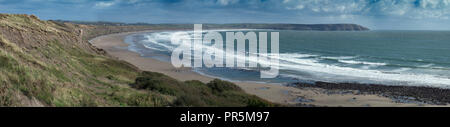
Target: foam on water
{"x": 297, "y": 64}
{"x": 361, "y": 62}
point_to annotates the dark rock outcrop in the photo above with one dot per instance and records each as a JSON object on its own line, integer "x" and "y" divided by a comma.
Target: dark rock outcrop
{"x": 429, "y": 95}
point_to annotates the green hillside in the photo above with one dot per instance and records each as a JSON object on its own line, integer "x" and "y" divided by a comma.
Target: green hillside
{"x": 46, "y": 63}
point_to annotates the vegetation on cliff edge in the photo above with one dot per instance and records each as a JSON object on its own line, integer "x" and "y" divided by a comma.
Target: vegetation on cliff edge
{"x": 46, "y": 63}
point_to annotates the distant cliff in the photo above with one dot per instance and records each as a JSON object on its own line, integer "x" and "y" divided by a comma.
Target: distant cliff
{"x": 305, "y": 27}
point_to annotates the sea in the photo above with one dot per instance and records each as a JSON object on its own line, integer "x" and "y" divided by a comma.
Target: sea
{"x": 411, "y": 58}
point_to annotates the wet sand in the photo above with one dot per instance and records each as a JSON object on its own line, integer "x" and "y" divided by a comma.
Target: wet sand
{"x": 291, "y": 96}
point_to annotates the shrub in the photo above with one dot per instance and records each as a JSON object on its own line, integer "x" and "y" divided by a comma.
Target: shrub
{"x": 220, "y": 86}
{"x": 155, "y": 84}
{"x": 254, "y": 101}
{"x": 189, "y": 100}
{"x": 147, "y": 100}
{"x": 198, "y": 94}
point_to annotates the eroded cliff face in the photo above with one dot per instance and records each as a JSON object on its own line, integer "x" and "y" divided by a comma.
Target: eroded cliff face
{"x": 28, "y": 32}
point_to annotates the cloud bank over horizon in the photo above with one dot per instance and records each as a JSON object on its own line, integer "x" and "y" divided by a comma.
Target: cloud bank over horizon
{"x": 375, "y": 14}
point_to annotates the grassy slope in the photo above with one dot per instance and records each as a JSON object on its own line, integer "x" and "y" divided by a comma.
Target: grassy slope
{"x": 44, "y": 63}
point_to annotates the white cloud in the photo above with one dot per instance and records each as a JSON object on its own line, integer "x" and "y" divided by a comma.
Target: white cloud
{"x": 133, "y": 1}
{"x": 315, "y": 9}
{"x": 104, "y": 4}
{"x": 298, "y": 7}
{"x": 407, "y": 8}
{"x": 431, "y": 3}
{"x": 227, "y": 2}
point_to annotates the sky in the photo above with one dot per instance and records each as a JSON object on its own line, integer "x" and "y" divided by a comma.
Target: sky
{"x": 375, "y": 14}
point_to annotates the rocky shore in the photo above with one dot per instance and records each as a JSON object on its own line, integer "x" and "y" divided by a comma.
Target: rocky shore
{"x": 401, "y": 94}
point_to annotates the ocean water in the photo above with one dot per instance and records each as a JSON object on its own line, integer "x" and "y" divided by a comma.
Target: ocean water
{"x": 415, "y": 58}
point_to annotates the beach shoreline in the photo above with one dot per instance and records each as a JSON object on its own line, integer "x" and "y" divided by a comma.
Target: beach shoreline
{"x": 115, "y": 46}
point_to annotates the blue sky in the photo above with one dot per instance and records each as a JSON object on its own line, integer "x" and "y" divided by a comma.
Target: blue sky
{"x": 375, "y": 14}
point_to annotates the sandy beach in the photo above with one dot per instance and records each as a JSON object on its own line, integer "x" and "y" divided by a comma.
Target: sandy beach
{"x": 291, "y": 96}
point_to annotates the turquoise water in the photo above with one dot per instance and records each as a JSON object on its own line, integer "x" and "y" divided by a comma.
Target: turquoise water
{"x": 420, "y": 58}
